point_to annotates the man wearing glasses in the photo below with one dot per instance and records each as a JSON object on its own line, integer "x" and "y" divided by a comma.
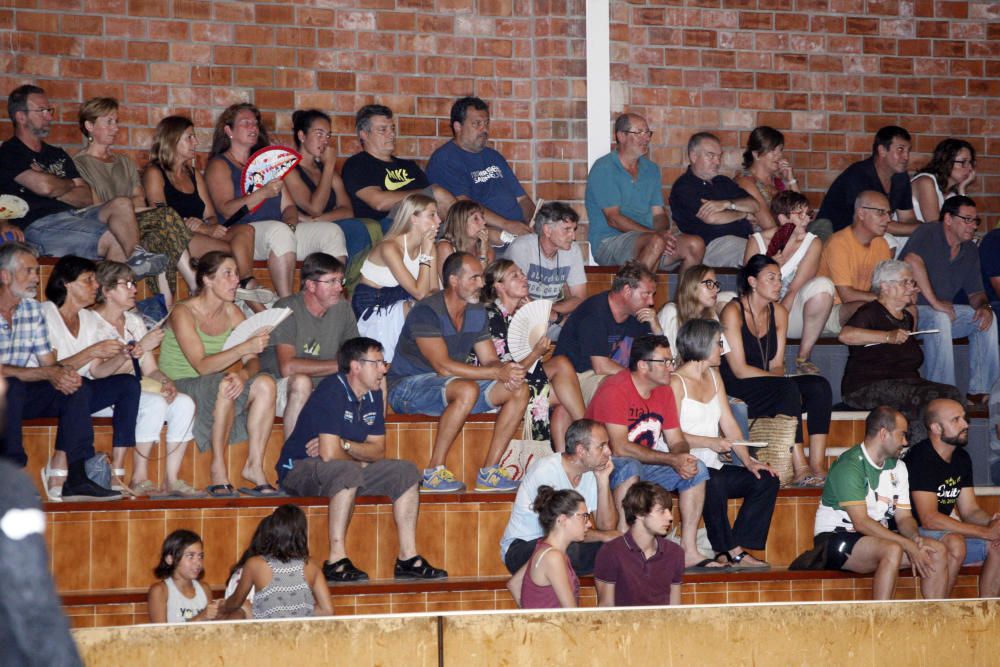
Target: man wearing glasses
{"x": 625, "y": 210}
{"x": 345, "y": 417}
{"x": 303, "y": 349}
{"x": 712, "y": 206}
{"x": 62, "y": 218}
{"x": 637, "y": 406}
{"x": 945, "y": 263}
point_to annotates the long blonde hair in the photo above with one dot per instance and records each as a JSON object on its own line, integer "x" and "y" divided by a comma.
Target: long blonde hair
{"x": 168, "y": 134}
{"x": 688, "y": 306}
{"x": 412, "y": 205}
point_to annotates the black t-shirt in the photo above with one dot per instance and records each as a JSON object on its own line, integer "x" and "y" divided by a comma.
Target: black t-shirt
{"x": 685, "y": 200}
{"x": 591, "y": 331}
{"x": 929, "y": 472}
{"x": 364, "y": 170}
{"x": 16, "y": 158}
{"x": 885, "y": 361}
{"x": 838, "y": 204}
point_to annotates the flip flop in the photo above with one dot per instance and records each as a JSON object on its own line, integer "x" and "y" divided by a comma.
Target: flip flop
{"x": 222, "y": 491}
{"x": 263, "y": 491}
{"x": 736, "y": 562}
{"x": 702, "y": 567}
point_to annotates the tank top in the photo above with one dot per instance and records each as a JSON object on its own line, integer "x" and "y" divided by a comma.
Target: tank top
{"x": 187, "y": 204}
{"x": 791, "y": 264}
{"x": 331, "y": 201}
{"x": 181, "y": 608}
{"x": 702, "y": 419}
{"x": 754, "y": 349}
{"x": 382, "y": 275}
{"x": 172, "y": 360}
{"x": 932, "y": 215}
{"x": 269, "y": 210}
{"x": 534, "y": 596}
{"x": 288, "y": 595}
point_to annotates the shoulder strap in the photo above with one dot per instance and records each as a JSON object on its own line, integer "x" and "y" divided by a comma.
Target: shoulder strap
{"x": 683, "y": 383}
{"x": 538, "y": 558}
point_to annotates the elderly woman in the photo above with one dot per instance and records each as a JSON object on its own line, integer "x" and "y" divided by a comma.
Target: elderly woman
{"x": 951, "y": 170}
{"x": 766, "y": 171}
{"x": 505, "y": 291}
{"x": 883, "y": 364}
{"x": 710, "y": 430}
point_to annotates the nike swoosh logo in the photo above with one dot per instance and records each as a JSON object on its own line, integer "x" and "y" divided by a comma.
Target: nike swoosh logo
{"x": 392, "y": 185}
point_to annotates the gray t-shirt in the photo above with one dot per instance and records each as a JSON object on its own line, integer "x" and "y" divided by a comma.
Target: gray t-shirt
{"x": 546, "y": 277}
{"x": 947, "y": 276}
{"x": 312, "y": 337}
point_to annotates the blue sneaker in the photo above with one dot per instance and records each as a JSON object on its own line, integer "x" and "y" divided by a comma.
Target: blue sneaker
{"x": 440, "y": 480}
{"x": 495, "y": 478}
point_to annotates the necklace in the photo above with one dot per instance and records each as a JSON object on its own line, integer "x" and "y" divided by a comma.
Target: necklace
{"x": 765, "y": 350}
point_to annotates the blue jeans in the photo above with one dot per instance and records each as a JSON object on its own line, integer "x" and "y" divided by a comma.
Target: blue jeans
{"x": 939, "y": 358}
{"x": 74, "y": 232}
{"x": 424, "y": 395}
{"x": 668, "y": 478}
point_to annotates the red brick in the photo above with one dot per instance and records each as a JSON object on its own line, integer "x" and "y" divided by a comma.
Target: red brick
{"x": 913, "y": 47}
{"x": 274, "y": 99}
{"x": 901, "y": 104}
{"x": 233, "y": 12}
{"x": 172, "y": 31}
{"x": 932, "y": 29}
{"x": 796, "y": 101}
{"x": 148, "y": 51}
{"x": 82, "y": 25}
{"x": 104, "y": 48}
{"x": 297, "y": 37}
{"x": 121, "y": 27}
{"x": 733, "y": 79}
{"x": 756, "y": 20}
{"x": 37, "y": 22}
{"x": 124, "y": 71}
{"x": 861, "y": 26}
{"x": 830, "y": 24}
{"x": 703, "y": 38}
{"x": 949, "y": 48}
{"x": 914, "y": 86}
{"x": 275, "y": 14}
{"x": 951, "y": 10}
{"x": 495, "y": 7}
{"x": 984, "y": 88}
{"x": 275, "y": 56}
{"x": 82, "y": 69}
{"x": 170, "y": 73}
{"x": 772, "y": 81}
{"x": 254, "y": 76}
{"x": 217, "y": 76}
{"x": 779, "y": 120}
{"x": 41, "y": 66}
{"x": 233, "y": 55}
{"x": 192, "y": 9}
{"x": 933, "y": 106}
{"x": 141, "y": 94}
{"x": 194, "y": 53}
{"x": 253, "y": 34}
{"x": 880, "y": 46}
{"x": 148, "y": 8}
{"x": 948, "y": 86}
{"x": 315, "y": 17}
{"x": 60, "y": 46}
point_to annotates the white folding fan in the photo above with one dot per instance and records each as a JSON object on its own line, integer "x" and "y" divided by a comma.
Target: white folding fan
{"x": 529, "y": 323}
{"x": 268, "y": 318}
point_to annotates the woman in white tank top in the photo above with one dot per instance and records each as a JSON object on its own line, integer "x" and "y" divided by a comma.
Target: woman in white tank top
{"x": 711, "y": 431}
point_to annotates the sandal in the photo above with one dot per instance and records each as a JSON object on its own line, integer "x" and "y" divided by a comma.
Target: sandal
{"x": 806, "y": 367}
{"x": 343, "y": 571}
{"x": 145, "y": 488}
{"x": 52, "y": 493}
{"x": 808, "y": 482}
{"x": 408, "y": 569}
{"x": 117, "y": 483}
{"x": 737, "y": 561}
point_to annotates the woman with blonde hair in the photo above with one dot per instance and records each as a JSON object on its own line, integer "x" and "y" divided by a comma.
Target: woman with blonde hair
{"x": 697, "y": 297}
{"x": 465, "y": 231}
{"x": 401, "y": 269}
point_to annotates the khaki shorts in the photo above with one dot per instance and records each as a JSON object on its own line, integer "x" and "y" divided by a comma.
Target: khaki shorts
{"x": 589, "y": 382}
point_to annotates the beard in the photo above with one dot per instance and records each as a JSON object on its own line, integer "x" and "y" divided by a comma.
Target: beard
{"x": 960, "y": 440}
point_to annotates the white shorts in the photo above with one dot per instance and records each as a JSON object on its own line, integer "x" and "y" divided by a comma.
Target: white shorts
{"x": 816, "y": 286}
{"x": 154, "y": 410}
{"x": 272, "y": 236}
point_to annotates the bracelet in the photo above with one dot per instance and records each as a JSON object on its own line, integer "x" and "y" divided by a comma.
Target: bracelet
{"x": 424, "y": 258}
{"x": 887, "y": 335}
{"x": 427, "y": 264}
{"x": 794, "y": 181}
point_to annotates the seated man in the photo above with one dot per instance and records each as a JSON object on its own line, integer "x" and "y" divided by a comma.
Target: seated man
{"x": 945, "y": 262}
{"x": 885, "y": 173}
{"x": 375, "y": 179}
{"x": 469, "y": 169}
{"x": 867, "y": 487}
{"x": 430, "y": 376}
{"x": 944, "y": 497}
{"x": 47, "y": 390}
{"x": 598, "y": 335}
{"x": 850, "y": 256}
{"x": 642, "y": 567}
{"x": 586, "y": 467}
{"x": 345, "y": 414}
{"x": 711, "y": 206}
{"x": 303, "y": 349}
{"x": 624, "y": 198}
{"x": 62, "y": 218}
{"x": 551, "y": 260}
{"x": 638, "y": 408}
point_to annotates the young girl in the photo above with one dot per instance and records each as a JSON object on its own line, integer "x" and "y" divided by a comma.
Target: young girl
{"x": 550, "y": 582}
{"x": 286, "y": 584}
{"x": 180, "y": 596}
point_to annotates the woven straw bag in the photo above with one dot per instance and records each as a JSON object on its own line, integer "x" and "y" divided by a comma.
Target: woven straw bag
{"x": 779, "y": 434}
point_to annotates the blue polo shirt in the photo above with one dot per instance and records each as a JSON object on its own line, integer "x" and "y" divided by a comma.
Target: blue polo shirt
{"x": 609, "y": 184}
{"x": 332, "y": 409}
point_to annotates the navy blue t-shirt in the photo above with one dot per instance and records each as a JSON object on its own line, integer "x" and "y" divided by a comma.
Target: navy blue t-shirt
{"x": 838, "y": 204}
{"x": 591, "y": 331}
{"x": 332, "y": 409}
{"x": 685, "y": 200}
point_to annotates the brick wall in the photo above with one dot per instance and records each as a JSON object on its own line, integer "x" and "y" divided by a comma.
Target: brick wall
{"x": 826, "y": 72}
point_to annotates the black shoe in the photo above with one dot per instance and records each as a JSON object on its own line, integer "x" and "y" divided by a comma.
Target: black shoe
{"x": 80, "y": 488}
{"x": 408, "y": 569}
{"x": 343, "y": 571}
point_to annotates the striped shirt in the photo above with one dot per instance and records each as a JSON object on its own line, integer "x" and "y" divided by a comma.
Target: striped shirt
{"x": 27, "y": 338}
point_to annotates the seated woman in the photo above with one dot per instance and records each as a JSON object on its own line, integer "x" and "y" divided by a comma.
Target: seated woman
{"x": 505, "y": 291}
{"x": 465, "y": 231}
{"x": 807, "y": 298}
{"x": 172, "y": 179}
{"x": 71, "y": 289}
{"x": 549, "y": 581}
{"x": 951, "y": 171}
{"x": 111, "y": 175}
{"x": 766, "y": 171}
{"x": 279, "y": 237}
{"x": 160, "y": 401}
{"x": 704, "y": 413}
{"x": 315, "y": 185}
{"x": 233, "y": 406}
{"x": 883, "y": 361}
{"x": 397, "y": 271}
{"x": 754, "y": 370}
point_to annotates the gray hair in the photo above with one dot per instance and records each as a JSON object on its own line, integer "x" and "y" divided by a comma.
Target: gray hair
{"x": 10, "y": 253}
{"x": 887, "y": 271}
{"x": 695, "y": 141}
{"x": 554, "y": 212}
{"x": 579, "y": 433}
{"x": 696, "y": 338}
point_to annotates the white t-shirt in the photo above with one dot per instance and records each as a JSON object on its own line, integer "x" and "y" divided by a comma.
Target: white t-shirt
{"x": 547, "y": 471}
{"x": 546, "y": 277}
{"x": 63, "y": 342}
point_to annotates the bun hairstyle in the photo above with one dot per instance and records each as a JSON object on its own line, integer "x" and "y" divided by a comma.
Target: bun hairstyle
{"x": 551, "y": 504}
{"x": 752, "y": 269}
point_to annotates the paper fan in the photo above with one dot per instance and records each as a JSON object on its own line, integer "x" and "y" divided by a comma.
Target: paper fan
{"x": 268, "y": 318}
{"x": 12, "y": 207}
{"x": 266, "y": 165}
{"x": 529, "y": 323}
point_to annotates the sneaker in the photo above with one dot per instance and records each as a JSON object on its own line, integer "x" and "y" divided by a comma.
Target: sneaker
{"x": 84, "y": 490}
{"x": 440, "y": 480}
{"x": 257, "y": 295}
{"x": 495, "y": 478}
{"x": 408, "y": 569}
{"x": 145, "y": 263}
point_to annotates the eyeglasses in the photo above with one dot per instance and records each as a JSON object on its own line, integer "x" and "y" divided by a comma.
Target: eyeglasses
{"x": 43, "y": 110}
{"x": 968, "y": 219}
{"x": 670, "y": 361}
{"x": 905, "y": 282}
{"x": 382, "y": 363}
{"x": 127, "y": 283}
{"x": 879, "y": 211}
{"x": 331, "y": 281}
{"x": 964, "y": 162}
{"x": 712, "y": 284}
{"x": 581, "y": 515}
{"x": 640, "y": 133}
{"x": 721, "y": 343}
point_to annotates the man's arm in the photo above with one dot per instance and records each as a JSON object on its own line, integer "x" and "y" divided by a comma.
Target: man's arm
{"x": 604, "y": 365}
{"x": 72, "y": 191}
{"x": 516, "y": 227}
{"x": 607, "y": 513}
{"x": 621, "y": 446}
{"x": 905, "y": 225}
{"x": 978, "y": 525}
{"x": 379, "y": 199}
{"x": 621, "y": 222}
{"x": 331, "y": 448}
{"x": 605, "y": 593}
{"x": 289, "y": 364}
{"x": 436, "y": 353}
{"x": 527, "y": 209}
{"x": 577, "y": 293}
{"x": 724, "y": 211}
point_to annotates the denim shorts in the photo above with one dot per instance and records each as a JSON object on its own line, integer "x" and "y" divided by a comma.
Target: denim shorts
{"x": 668, "y": 478}
{"x": 975, "y": 548}
{"x": 74, "y": 232}
{"x": 424, "y": 394}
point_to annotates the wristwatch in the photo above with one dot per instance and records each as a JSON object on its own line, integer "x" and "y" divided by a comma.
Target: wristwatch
{"x": 345, "y": 445}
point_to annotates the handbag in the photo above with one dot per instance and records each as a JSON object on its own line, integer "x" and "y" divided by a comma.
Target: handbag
{"x": 520, "y": 454}
{"x": 779, "y": 434}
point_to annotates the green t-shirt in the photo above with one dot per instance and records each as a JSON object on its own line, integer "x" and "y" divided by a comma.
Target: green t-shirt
{"x": 855, "y": 480}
